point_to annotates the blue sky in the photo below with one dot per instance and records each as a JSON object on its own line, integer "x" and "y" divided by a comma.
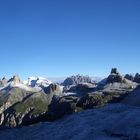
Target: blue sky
{"x": 55, "y": 38}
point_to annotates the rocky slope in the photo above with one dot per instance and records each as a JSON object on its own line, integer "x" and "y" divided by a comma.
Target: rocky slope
{"x": 97, "y": 124}
{"x": 20, "y": 103}
{"x": 133, "y": 98}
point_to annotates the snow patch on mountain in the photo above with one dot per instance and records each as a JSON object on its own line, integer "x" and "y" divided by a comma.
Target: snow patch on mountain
{"x": 37, "y": 81}
{"x": 22, "y": 86}
{"x": 19, "y": 85}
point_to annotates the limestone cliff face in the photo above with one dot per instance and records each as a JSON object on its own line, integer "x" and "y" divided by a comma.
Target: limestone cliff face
{"x": 78, "y": 79}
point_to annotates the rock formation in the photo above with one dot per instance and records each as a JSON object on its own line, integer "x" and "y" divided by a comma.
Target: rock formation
{"x": 137, "y": 78}
{"x": 16, "y": 79}
{"x": 114, "y": 76}
{"x": 129, "y": 77}
{"x": 78, "y": 79}
{"x": 54, "y": 89}
{"x": 3, "y": 82}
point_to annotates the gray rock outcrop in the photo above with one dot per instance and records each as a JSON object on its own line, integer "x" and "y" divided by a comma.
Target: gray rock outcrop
{"x": 3, "y": 82}
{"x": 137, "y": 78}
{"x": 78, "y": 79}
{"x": 114, "y": 77}
{"x": 129, "y": 77}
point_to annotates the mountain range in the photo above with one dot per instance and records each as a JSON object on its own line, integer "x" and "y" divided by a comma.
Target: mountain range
{"x": 39, "y": 103}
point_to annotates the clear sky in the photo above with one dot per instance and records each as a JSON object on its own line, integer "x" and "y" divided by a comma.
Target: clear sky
{"x": 54, "y": 38}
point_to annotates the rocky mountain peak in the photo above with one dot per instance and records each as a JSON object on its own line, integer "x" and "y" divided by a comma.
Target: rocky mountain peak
{"x": 132, "y": 78}
{"x": 53, "y": 88}
{"x": 129, "y": 77}
{"x": 137, "y": 78}
{"x": 4, "y": 78}
{"x": 77, "y": 79}
{"x": 38, "y": 81}
{"x": 16, "y": 79}
{"x": 115, "y": 76}
{"x": 3, "y": 82}
{"x": 114, "y": 71}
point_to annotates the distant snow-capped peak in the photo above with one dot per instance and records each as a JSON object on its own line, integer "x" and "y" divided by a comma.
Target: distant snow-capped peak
{"x": 32, "y": 83}
{"x": 37, "y": 81}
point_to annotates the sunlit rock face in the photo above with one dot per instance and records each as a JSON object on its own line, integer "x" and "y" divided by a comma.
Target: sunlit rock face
{"x": 15, "y": 79}
{"x": 78, "y": 79}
